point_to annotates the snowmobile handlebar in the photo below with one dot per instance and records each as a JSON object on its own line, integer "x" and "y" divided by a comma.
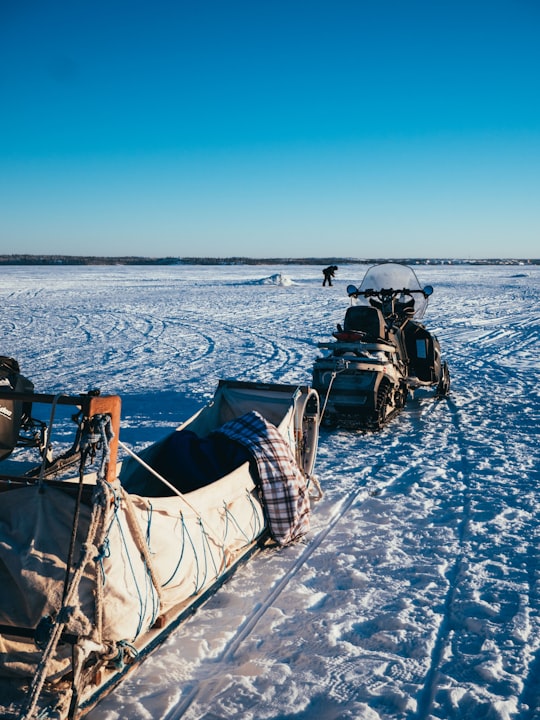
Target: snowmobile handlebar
{"x": 353, "y": 291}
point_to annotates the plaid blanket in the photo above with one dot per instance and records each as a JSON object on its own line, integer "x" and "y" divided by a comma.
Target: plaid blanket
{"x": 284, "y": 487}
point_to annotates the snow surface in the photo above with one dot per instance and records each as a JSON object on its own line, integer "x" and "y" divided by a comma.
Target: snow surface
{"x": 417, "y": 592}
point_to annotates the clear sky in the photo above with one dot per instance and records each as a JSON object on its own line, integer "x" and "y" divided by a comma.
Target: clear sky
{"x": 270, "y": 128}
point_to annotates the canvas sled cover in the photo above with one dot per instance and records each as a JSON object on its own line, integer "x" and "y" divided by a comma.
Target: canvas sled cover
{"x": 139, "y": 558}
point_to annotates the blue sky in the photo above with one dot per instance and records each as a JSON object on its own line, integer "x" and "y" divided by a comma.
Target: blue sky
{"x": 270, "y": 128}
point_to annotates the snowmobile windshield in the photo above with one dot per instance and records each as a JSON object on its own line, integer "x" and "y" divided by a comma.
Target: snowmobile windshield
{"x": 394, "y": 276}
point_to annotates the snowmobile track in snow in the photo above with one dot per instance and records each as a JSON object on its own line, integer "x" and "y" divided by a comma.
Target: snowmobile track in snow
{"x": 450, "y": 634}
{"x": 358, "y": 492}
{"x": 251, "y": 621}
{"x": 429, "y": 689}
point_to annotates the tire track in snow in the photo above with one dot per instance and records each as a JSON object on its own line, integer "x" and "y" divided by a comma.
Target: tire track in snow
{"x": 124, "y": 343}
{"x": 271, "y": 363}
{"x": 373, "y": 482}
{"x": 263, "y": 359}
{"x": 427, "y": 693}
{"x": 471, "y": 593}
{"x": 173, "y": 349}
{"x": 252, "y": 620}
{"x": 129, "y": 332}
{"x": 530, "y": 695}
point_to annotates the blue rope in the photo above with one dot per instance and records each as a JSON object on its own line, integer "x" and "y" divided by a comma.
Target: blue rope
{"x": 143, "y": 600}
{"x": 196, "y": 590}
{"x": 228, "y": 514}
{"x": 124, "y": 648}
{"x": 141, "y": 604}
{"x": 184, "y": 531}
{"x": 155, "y": 598}
{"x": 153, "y": 595}
{"x": 104, "y": 551}
{"x": 258, "y": 526}
{"x": 149, "y": 513}
{"x": 206, "y": 544}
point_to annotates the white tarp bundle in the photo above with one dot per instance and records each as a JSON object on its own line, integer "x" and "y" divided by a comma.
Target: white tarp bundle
{"x": 139, "y": 557}
{"x": 149, "y": 556}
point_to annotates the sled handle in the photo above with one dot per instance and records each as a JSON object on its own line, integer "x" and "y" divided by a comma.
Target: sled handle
{"x": 90, "y": 404}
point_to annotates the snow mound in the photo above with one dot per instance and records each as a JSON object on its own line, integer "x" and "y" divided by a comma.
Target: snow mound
{"x": 277, "y": 280}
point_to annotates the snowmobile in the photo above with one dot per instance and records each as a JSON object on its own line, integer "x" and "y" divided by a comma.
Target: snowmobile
{"x": 381, "y": 353}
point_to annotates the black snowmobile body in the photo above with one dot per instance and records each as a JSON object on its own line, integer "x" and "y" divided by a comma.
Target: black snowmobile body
{"x": 14, "y": 414}
{"x": 381, "y": 353}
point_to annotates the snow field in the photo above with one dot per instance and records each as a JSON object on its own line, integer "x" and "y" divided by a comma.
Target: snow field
{"x": 416, "y": 594}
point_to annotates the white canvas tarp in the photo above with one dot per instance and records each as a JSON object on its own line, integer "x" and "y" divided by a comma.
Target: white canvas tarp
{"x": 149, "y": 556}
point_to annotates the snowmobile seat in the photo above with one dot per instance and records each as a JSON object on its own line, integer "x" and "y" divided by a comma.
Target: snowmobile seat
{"x": 367, "y": 320}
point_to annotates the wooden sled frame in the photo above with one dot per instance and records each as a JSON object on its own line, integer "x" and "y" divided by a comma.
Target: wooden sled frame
{"x": 101, "y": 679}
{"x": 90, "y": 405}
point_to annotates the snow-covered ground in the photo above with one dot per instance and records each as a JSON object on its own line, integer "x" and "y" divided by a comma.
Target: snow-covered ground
{"x": 417, "y": 592}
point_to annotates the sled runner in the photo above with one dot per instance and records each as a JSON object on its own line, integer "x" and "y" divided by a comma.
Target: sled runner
{"x": 381, "y": 353}
{"x": 96, "y": 571}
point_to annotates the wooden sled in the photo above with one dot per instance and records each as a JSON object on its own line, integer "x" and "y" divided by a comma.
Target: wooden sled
{"x": 94, "y": 574}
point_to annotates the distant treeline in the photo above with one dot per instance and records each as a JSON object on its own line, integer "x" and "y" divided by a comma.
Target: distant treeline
{"x": 135, "y": 260}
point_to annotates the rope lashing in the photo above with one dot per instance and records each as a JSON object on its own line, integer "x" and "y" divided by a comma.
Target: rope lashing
{"x": 124, "y": 649}
{"x": 102, "y": 428}
{"x": 206, "y": 544}
{"x": 59, "y": 623}
{"x": 142, "y": 546}
{"x": 97, "y": 434}
{"x": 332, "y": 378}
{"x": 313, "y": 479}
{"x": 47, "y": 442}
{"x": 104, "y": 551}
{"x": 184, "y": 533}
{"x": 150, "y": 513}
{"x": 229, "y": 516}
{"x": 258, "y": 525}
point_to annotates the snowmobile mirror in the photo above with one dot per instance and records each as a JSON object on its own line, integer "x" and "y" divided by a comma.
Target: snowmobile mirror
{"x": 428, "y": 290}
{"x": 351, "y": 290}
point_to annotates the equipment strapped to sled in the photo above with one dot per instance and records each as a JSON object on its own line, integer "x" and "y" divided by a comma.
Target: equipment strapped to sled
{"x": 14, "y": 414}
